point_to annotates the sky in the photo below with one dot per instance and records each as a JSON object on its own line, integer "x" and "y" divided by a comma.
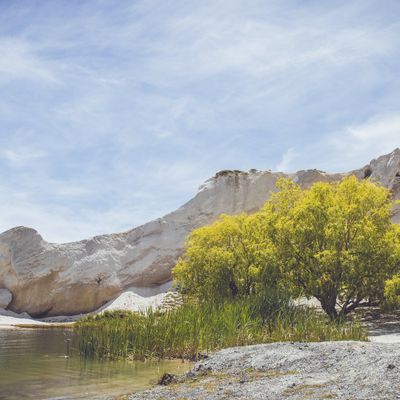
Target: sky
{"x": 112, "y": 113}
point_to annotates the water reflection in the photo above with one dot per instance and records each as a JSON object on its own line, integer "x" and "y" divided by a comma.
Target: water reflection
{"x": 33, "y": 365}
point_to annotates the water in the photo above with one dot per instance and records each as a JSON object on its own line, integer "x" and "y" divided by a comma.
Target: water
{"x": 33, "y": 366}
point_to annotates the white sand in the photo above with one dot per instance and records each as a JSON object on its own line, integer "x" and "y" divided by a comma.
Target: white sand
{"x": 386, "y": 338}
{"x": 8, "y": 319}
{"x": 128, "y": 300}
{"x": 131, "y": 301}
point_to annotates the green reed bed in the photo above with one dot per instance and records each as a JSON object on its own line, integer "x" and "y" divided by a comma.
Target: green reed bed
{"x": 194, "y": 329}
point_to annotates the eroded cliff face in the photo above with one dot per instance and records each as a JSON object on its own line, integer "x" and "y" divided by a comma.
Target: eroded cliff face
{"x": 53, "y": 279}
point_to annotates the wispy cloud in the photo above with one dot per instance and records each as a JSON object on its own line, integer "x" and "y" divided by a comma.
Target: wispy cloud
{"x": 286, "y": 160}
{"x": 112, "y": 115}
{"x": 378, "y": 135}
{"x": 20, "y": 61}
{"x": 350, "y": 147}
{"x": 380, "y": 128}
{"x": 21, "y": 157}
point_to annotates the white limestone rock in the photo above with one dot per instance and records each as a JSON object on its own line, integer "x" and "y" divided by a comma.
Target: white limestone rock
{"x": 49, "y": 279}
{"x": 5, "y": 298}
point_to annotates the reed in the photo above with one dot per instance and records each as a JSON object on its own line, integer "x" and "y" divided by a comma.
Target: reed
{"x": 192, "y": 330}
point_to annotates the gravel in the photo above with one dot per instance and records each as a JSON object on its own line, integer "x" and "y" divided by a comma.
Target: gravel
{"x": 327, "y": 370}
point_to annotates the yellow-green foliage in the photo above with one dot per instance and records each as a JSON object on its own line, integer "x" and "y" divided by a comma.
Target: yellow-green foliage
{"x": 334, "y": 241}
{"x": 392, "y": 292}
{"x": 227, "y": 259}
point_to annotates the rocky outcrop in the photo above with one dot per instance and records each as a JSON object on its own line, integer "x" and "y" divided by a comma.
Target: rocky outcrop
{"x": 5, "y": 298}
{"x": 291, "y": 371}
{"x": 53, "y": 279}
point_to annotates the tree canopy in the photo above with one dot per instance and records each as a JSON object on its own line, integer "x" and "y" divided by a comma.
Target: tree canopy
{"x": 227, "y": 259}
{"x": 333, "y": 241}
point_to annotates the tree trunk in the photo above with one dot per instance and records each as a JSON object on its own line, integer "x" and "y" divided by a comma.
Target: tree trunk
{"x": 329, "y": 306}
{"x": 234, "y": 289}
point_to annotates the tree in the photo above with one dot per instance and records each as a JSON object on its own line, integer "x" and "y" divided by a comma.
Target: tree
{"x": 335, "y": 241}
{"x": 227, "y": 259}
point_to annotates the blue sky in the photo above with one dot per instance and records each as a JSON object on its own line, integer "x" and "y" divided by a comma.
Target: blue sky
{"x": 113, "y": 113}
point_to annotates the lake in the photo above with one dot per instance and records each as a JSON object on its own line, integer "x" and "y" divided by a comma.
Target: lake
{"x": 33, "y": 365}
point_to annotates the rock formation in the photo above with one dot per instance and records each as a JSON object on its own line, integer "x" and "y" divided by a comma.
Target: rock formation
{"x": 5, "y": 298}
{"x": 53, "y": 279}
{"x": 290, "y": 371}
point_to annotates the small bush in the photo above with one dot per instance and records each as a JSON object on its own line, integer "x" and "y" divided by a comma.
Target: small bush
{"x": 392, "y": 292}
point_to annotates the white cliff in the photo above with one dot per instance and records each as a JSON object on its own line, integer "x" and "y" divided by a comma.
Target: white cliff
{"x": 47, "y": 279}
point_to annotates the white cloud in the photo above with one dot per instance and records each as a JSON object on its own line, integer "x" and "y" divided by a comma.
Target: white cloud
{"x": 286, "y": 160}
{"x": 361, "y": 142}
{"x": 19, "y": 60}
{"x": 21, "y": 157}
{"x": 379, "y": 128}
{"x": 351, "y": 147}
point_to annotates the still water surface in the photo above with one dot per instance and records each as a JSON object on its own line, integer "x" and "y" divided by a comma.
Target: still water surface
{"x": 33, "y": 366}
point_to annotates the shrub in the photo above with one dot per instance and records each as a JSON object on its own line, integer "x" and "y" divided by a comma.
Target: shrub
{"x": 392, "y": 292}
{"x": 230, "y": 258}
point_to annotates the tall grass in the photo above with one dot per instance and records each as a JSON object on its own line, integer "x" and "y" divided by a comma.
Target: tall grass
{"x": 194, "y": 329}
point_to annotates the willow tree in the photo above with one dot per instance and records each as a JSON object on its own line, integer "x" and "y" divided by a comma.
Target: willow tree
{"x": 232, "y": 257}
{"x": 335, "y": 241}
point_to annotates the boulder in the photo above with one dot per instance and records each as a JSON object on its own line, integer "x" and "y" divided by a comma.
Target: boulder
{"x": 5, "y": 298}
{"x": 49, "y": 279}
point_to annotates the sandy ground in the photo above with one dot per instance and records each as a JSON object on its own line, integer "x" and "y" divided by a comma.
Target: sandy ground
{"x": 126, "y": 301}
{"x": 382, "y": 327}
{"x": 9, "y": 319}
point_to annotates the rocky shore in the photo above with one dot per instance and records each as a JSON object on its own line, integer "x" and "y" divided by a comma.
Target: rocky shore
{"x": 328, "y": 370}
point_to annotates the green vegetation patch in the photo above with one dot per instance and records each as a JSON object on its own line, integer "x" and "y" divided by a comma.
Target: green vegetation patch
{"x": 193, "y": 330}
